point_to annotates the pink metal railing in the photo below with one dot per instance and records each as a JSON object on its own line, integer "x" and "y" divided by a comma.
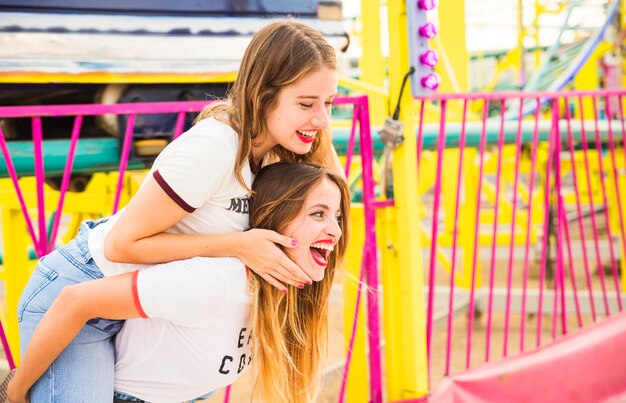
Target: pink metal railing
{"x": 41, "y": 243}
{"x": 544, "y": 173}
{"x": 510, "y": 290}
{"x": 44, "y": 244}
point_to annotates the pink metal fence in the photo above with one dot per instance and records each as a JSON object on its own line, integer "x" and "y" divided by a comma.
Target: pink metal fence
{"x": 581, "y": 228}
{"x": 44, "y": 238}
{"x": 569, "y": 171}
{"x": 41, "y": 242}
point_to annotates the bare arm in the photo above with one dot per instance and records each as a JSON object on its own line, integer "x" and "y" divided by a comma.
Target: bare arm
{"x": 138, "y": 237}
{"x": 109, "y": 297}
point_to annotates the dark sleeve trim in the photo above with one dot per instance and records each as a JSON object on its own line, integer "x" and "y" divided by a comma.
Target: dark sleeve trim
{"x": 171, "y": 193}
{"x": 136, "y": 295}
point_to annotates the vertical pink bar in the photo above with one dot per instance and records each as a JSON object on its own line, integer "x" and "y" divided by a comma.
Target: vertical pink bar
{"x": 350, "y": 149}
{"x": 67, "y": 173}
{"x": 227, "y": 394}
{"x": 531, "y": 186}
{"x": 455, "y": 237}
{"x": 559, "y": 275}
{"x": 365, "y": 262}
{"x": 494, "y": 229}
{"x": 6, "y": 348}
{"x": 546, "y": 215}
{"x": 572, "y": 274}
{"x": 609, "y": 113}
{"x": 180, "y": 124}
{"x": 509, "y": 278}
{"x": 369, "y": 198}
{"x": 570, "y": 143}
{"x": 128, "y": 137}
{"x": 420, "y": 134}
{"x": 39, "y": 178}
{"x": 555, "y": 273}
{"x": 441, "y": 145}
{"x": 470, "y": 320}
{"x": 11, "y": 169}
{"x": 346, "y": 369}
{"x": 605, "y": 203}
{"x": 583, "y": 140}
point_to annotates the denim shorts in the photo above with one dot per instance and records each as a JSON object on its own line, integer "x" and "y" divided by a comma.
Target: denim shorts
{"x": 120, "y": 397}
{"x": 84, "y": 371}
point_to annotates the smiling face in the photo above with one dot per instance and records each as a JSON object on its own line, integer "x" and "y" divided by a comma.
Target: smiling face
{"x": 317, "y": 229}
{"x": 301, "y": 110}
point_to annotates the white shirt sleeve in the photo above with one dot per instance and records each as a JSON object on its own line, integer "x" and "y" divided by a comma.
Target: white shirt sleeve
{"x": 186, "y": 292}
{"x": 192, "y": 167}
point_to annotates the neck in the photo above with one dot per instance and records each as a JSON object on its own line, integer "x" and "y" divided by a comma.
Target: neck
{"x": 259, "y": 151}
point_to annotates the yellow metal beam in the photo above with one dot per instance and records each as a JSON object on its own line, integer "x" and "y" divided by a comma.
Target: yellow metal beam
{"x": 373, "y": 64}
{"x": 405, "y": 319}
{"x": 450, "y": 45}
{"x": 114, "y": 78}
{"x": 16, "y": 271}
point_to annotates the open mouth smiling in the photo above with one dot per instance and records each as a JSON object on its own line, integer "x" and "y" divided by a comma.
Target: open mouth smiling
{"x": 306, "y": 136}
{"x": 320, "y": 252}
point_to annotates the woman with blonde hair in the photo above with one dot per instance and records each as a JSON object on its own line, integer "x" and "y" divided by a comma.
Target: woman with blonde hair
{"x": 208, "y": 319}
{"x": 195, "y": 199}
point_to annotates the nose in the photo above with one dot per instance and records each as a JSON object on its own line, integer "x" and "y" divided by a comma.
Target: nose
{"x": 321, "y": 118}
{"x": 333, "y": 229}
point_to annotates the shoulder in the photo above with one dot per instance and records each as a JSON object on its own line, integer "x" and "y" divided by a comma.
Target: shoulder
{"x": 213, "y": 129}
{"x": 229, "y": 268}
{"x": 206, "y": 279}
{"x": 209, "y": 137}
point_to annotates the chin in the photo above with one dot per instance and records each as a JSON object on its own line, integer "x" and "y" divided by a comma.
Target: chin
{"x": 318, "y": 276}
{"x": 301, "y": 150}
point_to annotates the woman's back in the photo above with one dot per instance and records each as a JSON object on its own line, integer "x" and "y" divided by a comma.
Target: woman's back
{"x": 200, "y": 181}
{"x": 197, "y": 337}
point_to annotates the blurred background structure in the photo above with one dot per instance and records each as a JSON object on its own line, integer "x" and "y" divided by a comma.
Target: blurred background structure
{"x": 484, "y": 146}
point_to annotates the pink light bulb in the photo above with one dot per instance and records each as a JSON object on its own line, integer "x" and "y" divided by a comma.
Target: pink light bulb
{"x": 428, "y": 30}
{"x": 431, "y": 81}
{"x": 429, "y": 58}
{"x": 426, "y": 4}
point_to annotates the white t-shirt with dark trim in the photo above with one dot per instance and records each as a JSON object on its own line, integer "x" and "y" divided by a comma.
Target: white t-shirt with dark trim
{"x": 197, "y": 337}
{"x": 197, "y": 172}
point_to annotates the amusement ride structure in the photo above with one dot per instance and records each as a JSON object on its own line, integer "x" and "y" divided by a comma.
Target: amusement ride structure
{"x": 487, "y": 257}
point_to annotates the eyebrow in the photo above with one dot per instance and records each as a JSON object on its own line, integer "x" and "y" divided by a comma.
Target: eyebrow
{"x": 323, "y": 206}
{"x": 315, "y": 96}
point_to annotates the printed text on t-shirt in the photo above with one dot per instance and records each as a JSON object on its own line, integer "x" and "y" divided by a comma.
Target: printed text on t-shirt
{"x": 239, "y": 205}
{"x": 229, "y": 363}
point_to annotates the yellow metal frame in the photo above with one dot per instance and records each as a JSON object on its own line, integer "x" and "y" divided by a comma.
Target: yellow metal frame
{"x": 112, "y": 78}
{"x": 403, "y": 281}
{"x": 96, "y": 201}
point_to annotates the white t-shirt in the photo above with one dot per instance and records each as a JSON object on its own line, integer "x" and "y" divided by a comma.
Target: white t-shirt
{"x": 197, "y": 337}
{"x": 197, "y": 171}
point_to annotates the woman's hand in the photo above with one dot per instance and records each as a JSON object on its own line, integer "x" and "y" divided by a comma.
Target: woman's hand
{"x": 259, "y": 252}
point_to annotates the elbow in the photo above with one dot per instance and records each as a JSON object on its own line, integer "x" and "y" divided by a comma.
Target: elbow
{"x": 71, "y": 302}
{"x": 113, "y": 252}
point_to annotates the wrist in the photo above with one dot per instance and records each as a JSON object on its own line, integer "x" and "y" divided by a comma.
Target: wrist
{"x": 15, "y": 392}
{"x": 232, "y": 244}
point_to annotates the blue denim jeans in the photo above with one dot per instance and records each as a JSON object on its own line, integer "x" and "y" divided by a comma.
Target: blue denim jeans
{"x": 84, "y": 372}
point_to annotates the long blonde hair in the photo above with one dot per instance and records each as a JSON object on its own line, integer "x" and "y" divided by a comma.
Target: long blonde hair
{"x": 278, "y": 55}
{"x": 290, "y": 331}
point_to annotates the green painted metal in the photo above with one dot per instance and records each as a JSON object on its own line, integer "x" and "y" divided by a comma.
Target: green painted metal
{"x": 474, "y": 129}
{"x": 92, "y": 155}
{"x": 102, "y": 154}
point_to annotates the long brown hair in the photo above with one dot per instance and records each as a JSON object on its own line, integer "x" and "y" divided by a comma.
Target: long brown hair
{"x": 278, "y": 55}
{"x": 290, "y": 331}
